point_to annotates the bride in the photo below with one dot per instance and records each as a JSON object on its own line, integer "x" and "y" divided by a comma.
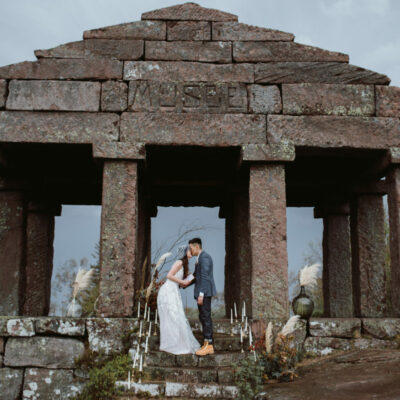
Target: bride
{"x": 176, "y": 335}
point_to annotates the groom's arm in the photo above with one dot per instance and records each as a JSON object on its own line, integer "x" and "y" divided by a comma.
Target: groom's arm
{"x": 205, "y": 271}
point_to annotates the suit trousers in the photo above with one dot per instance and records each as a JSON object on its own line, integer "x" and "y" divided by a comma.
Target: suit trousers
{"x": 205, "y": 318}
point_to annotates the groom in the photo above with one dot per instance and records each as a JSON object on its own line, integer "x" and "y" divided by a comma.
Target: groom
{"x": 204, "y": 289}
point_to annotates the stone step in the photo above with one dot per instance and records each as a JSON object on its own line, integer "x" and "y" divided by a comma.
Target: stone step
{"x": 178, "y": 390}
{"x": 221, "y": 342}
{"x": 218, "y": 359}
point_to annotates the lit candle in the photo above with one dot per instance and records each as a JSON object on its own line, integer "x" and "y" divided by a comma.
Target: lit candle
{"x": 242, "y": 313}
{"x": 147, "y": 342}
{"x": 156, "y": 317}
{"x": 148, "y": 315}
{"x": 140, "y": 328}
{"x": 149, "y": 329}
{"x": 231, "y": 317}
{"x": 129, "y": 379}
{"x": 245, "y": 325}
{"x": 234, "y": 304}
{"x": 244, "y": 307}
{"x": 250, "y": 336}
{"x": 141, "y": 363}
{"x": 145, "y": 311}
{"x": 138, "y": 310}
{"x": 241, "y": 334}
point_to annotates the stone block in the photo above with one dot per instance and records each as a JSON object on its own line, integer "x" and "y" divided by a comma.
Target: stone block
{"x": 20, "y": 327}
{"x": 334, "y": 131}
{"x": 335, "y": 327}
{"x": 155, "y": 389}
{"x": 282, "y": 51}
{"x": 42, "y": 351}
{"x": 244, "y": 32}
{"x": 60, "y": 326}
{"x": 53, "y": 95}
{"x": 149, "y": 30}
{"x": 119, "y": 49}
{"x": 3, "y": 92}
{"x": 64, "y": 69}
{"x": 50, "y": 384}
{"x": 264, "y": 99}
{"x": 10, "y": 383}
{"x": 372, "y": 343}
{"x": 325, "y": 345}
{"x": 283, "y": 151}
{"x": 187, "y": 71}
{"x": 316, "y": 72}
{"x": 267, "y": 219}
{"x": 160, "y": 358}
{"x": 119, "y": 150}
{"x": 114, "y": 96}
{"x": 189, "y": 11}
{"x": 57, "y": 127}
{"x": 1, "y": 345}
{"x": 106, "y": 334}
{"x": 193, "y": 128}
{"x": 329, "y": 99}
{"x": 214, "y": 391}
{"x": 381, "y": 328}
{"x": 12, "y": 245}
{"x": 205, "y": 97}
{"x": 213, "y": 52}
{"x": 387, "y": 101}
{"x": 118, "y": 258}
{"x": 188, "y": 30}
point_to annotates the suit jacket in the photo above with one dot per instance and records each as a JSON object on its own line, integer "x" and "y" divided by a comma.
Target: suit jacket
{"x": 204, "y": 278}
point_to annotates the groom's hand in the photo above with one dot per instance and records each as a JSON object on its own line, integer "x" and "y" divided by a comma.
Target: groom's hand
{"x": 184, "y": 284}
{"x": 200, "y": 300}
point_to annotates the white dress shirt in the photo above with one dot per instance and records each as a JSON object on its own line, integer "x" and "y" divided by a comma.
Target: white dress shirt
{"x": 201, "y": 294}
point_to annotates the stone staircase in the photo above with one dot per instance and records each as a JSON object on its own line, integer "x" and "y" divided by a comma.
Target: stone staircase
{"x": 188, "y": 375}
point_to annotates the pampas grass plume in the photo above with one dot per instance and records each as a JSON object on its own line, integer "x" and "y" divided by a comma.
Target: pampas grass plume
{"x": 309, "y": 275}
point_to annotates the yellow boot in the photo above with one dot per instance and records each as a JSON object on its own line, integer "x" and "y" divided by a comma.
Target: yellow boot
{"x": 207, "y": 348}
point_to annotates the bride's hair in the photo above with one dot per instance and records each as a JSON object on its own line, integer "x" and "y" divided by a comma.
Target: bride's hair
{"x": 185, "y": 262}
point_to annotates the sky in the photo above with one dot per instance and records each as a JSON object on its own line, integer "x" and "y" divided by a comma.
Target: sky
{"x": 367, "y": 30}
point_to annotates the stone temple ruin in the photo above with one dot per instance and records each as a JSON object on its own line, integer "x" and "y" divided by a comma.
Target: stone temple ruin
{"x": 189, "y": 107}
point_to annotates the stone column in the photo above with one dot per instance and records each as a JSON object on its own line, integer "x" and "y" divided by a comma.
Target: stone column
{"x": 267, "y": 224}
{"x": 337, "y": 267}
{"x": 12, "y": 251}
{"x": 393, "y": 187}
{"x": 39, "y": 258}
{"x": 118, "y": 252}
{"x": 368, "y": 255}
{"x": 238, "y": 255}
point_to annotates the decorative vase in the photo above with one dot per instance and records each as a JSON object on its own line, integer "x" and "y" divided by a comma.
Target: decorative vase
{"x": 302, "y": 304}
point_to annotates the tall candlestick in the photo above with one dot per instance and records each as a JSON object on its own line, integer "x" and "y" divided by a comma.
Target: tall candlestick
{"x": 141, "y": 363}
{"x": 149, "y": 329}
{"x": 245, "y": 325}
{"x": 145, "y": 311}
{"x": 129, "y": 379}
{"x": 234, "y": 304}
{"x": 250, "y": 336}
{"x": 244, "y": 307}
{"x": 138, "y": 310}
{"x": 241, "y": 334}
{"x": 156, "y": 317}
{"x": 242, "y": 313}
{"x": 231, "y": 317}
{"x": 148, "y": 315}
{"x": 140, "y": 328}
{"x": 134, "y": 361}
{"x": 147, "y": 343}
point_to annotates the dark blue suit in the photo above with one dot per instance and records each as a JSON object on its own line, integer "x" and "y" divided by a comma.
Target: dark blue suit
{"x": 204, "y": 283}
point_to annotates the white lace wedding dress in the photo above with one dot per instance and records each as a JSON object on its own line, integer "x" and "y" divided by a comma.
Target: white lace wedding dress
{"x": 176, "y": 335}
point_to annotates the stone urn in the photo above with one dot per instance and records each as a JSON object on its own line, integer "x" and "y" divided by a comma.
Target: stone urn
{"x": 302, "y": 304}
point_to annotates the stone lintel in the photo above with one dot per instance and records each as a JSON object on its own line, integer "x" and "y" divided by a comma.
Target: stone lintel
{"x": 42, "y": 207}
{"x": 378, "y": 187}
{"x": 119, "y": 150}
{"x": 283, "y": 151}
{"x": 331, "y": 209}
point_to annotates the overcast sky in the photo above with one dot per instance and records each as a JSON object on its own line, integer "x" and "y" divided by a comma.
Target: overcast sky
{"x": 367, "y": 30}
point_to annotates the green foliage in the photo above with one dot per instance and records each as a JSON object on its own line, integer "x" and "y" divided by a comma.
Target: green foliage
{"x": 104, "y": 371}
{"x": 249, "y": 375}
